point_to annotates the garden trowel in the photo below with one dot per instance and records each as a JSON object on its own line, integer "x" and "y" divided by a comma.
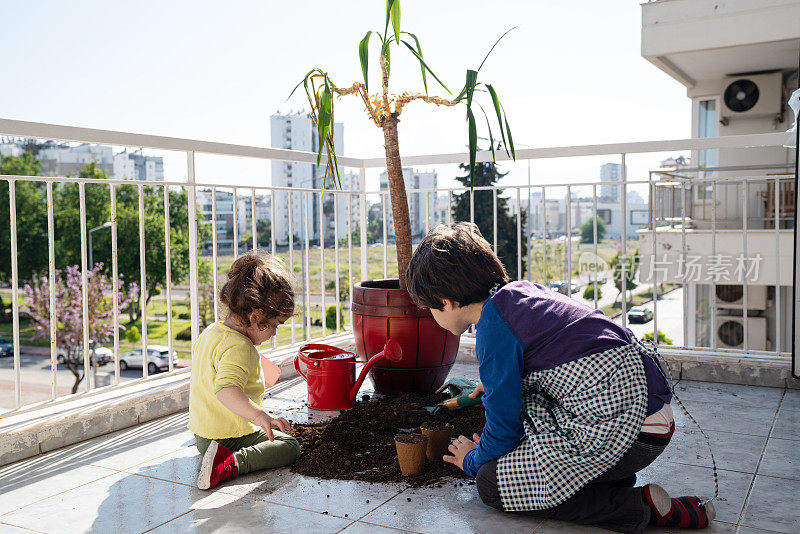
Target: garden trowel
{"x": 459, "y": 389}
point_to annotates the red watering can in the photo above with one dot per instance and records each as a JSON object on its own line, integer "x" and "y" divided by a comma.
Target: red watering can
{"x": 331, "y": 373}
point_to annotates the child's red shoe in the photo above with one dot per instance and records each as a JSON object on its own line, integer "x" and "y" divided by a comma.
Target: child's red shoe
{"x": 218, "y": 466}
{"x": 682, "y": 512}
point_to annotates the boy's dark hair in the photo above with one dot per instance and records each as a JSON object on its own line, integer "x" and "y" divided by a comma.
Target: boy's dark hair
{"x": 258, "y": 281}
{"x": 454, "y": 263}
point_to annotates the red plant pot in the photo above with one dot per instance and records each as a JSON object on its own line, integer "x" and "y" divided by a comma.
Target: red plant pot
{"x": 382, "y": 311}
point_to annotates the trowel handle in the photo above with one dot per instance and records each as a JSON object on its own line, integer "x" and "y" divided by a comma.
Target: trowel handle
{"x": 462, "y": 401}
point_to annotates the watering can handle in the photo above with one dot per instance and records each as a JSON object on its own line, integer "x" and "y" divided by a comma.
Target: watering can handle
{"x": 392, "y": 351}
{"x": 297, "y": 367}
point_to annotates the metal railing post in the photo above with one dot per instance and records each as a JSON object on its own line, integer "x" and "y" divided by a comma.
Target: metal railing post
{"x": 194, "y": 279}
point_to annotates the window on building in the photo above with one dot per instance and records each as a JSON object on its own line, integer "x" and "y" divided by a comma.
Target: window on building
{"x": 706, "y": 127}
{"x": 639, "y": 217}
{"x": 605, "y": 215}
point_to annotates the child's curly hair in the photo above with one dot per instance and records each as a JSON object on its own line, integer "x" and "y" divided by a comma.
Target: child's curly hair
{"x": 258, "y": 282}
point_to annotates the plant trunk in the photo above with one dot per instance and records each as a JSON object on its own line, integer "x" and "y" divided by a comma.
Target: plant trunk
{"x": 78, "y": 377}
{"x": 397, "y": 193}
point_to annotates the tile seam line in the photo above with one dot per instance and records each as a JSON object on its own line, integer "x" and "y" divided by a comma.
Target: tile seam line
{"x": 139, "y": 464}
{"x": 346, "y": 527}
{"x": 380, "y": 505}
{"x": 760, "y": 459}
{"x": 757, "y": 529}
{"x": 23, "y": 528}
{"x": 116, "y": 472}
{"x": 540, "y": 525}
{"x": 384, "y": 526}
{"x": 718, "y": 468}
{"x": 168, "y": 521}
{"x": 258, "y": 499}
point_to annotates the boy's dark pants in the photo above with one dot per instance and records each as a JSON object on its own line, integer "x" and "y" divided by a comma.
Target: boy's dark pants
{"x": 610, "y": 501}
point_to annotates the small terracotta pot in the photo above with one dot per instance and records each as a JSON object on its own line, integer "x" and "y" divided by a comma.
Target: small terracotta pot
{"x": 439, "y": 434}
{"x": 411, "y": 449}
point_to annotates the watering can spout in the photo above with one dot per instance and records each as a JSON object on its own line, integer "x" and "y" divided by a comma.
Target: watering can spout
{"x": 392, "y": 350}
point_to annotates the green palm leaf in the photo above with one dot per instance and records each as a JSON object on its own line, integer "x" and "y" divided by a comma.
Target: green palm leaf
{"x": 422, "y": 62}
{"x": 495, "y": 44}
{"x": 422, "y": 67}
{"x": 473, "y": 145}
{"x": 363, "y": 55}
{"x": 496, "y": 104}
{"x": 488, "y": 127}
{"x": 394, "y": 14}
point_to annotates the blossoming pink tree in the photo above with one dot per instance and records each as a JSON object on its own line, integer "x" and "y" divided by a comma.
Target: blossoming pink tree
{"x": 69, "y": 312}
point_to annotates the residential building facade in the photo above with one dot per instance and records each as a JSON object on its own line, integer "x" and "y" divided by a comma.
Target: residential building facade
{"x": 297, "y": 131}
{"x": 422, "y": 206}
{"x": 738, "y": 62}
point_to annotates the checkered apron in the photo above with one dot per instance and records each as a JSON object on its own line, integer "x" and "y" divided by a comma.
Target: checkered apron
{"x": 579, "y": 419}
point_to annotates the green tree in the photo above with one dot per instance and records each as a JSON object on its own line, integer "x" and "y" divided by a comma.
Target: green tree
{"x": 486, "y": 174}
{"x": 68, "y": 216}
{"x": 588, "y": 293}
{"x": 662, "y": 338}
{"x": 375, "y": 224}
{"x": 264, "y": 232}
{"x": 587, "y": 230}
{"x": 355, "y": 236}
{"x": 205, "y": 291}
{"x": 31, "y": 208}
{"x": 98, "y": 211}
{"x": 631, "y": 268}
{"x": 133, "y": 335}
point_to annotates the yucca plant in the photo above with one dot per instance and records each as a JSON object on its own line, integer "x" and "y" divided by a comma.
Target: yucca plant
{"x": 384, "y": 109}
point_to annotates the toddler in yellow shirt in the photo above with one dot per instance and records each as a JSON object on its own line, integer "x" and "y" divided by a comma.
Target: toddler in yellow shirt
{"x": 232, "y": 431}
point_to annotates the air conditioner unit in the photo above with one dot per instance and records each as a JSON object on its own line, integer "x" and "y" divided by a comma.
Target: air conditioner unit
{"x": 747, "y": 96}
{"x": 731, "y": 297}
{"x": 730, "y": 333}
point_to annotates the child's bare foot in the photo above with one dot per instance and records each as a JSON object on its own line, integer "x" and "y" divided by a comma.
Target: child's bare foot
{"x": 683, "y": 512}
{"x": 218, "y": 466}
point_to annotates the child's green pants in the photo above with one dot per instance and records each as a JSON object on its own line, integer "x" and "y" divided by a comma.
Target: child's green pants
{"x": 255, "y": 451}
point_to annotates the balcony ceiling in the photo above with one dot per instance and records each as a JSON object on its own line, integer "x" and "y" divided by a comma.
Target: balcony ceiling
{"x": 699, "y": 40}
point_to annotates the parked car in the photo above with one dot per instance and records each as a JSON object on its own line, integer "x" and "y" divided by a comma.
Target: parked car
{"x": 600, "y": 278}
{"x": 6, "y": 348}
{"x": 102, "y": 355}
{"x": 640, "y": 314}
{"x": 561, "y": 286}
{"x": 157, "y": 358}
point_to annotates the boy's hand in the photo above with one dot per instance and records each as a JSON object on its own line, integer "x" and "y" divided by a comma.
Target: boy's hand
{"x": 460, "y": 447}
{"x": 267, "y": 423}
{"x": 477, "y": 391}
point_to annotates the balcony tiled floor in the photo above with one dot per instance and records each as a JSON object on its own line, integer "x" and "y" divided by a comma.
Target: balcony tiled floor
{"x": 142, "y": 479}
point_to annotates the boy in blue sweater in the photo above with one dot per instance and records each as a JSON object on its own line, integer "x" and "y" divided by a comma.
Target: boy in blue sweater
{"x": 575, "y": 404}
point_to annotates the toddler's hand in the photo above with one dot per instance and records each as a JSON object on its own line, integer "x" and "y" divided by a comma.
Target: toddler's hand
{"x": 267, "y": 423}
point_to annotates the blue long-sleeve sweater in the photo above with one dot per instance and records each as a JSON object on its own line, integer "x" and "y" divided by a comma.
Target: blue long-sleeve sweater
{"x": 526, "y": 327}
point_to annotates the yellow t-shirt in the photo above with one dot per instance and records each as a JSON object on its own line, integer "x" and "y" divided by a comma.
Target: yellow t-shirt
{"x": 222, "y": 357}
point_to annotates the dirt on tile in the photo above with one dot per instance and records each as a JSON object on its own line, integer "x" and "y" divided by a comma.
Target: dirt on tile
{"x": 359, "y": 444}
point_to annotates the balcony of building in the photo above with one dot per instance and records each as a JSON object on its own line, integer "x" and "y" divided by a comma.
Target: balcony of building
{"x": 116, "y": 455}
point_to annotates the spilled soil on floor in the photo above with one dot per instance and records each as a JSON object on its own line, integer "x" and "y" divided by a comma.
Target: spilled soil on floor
{"x": 359, "y": 444}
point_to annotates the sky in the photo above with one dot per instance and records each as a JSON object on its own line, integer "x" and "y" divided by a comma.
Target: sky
{"x": 570, "y": 74}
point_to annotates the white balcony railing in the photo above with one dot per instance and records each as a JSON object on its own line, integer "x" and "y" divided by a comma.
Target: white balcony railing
{"x": 536, "y": 265}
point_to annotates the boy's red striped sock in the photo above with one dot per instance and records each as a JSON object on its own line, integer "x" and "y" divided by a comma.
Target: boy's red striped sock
{"x": 682, "y": 512}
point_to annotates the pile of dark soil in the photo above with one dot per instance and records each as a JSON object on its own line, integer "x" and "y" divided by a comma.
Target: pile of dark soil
{"x": 359, "y": 444}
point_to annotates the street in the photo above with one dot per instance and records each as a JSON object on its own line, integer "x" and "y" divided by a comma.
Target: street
{"x": 35, "y": 379}
{"x": 670, "y": 318}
